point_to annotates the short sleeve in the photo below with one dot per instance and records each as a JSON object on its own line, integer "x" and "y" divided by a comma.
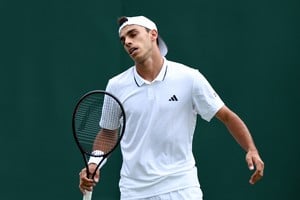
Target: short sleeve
{"x": 206, "y": 101}
{"x": 111, "y": 112}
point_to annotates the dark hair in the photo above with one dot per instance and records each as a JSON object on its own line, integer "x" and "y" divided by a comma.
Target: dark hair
{"x": 122, "y": 20}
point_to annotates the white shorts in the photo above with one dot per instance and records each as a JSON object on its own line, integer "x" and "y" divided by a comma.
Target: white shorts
{"x": 191, "y": 193}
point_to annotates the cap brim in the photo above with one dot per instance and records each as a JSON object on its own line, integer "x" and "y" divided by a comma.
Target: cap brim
{"x": 162, "y": 46}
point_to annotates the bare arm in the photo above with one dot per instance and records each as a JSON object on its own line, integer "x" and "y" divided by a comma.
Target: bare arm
{"x": 241, "y": 134}
{"x": 105, "y": 140}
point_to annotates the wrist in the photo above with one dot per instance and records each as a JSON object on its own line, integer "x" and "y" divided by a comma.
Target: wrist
{"x": 252, "y": 150}
{"x": 96, "y": 158}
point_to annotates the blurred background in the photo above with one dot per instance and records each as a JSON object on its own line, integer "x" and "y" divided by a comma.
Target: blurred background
{"x": 52, "y": 52}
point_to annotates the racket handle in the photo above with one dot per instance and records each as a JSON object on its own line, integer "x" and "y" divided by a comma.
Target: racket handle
{"x": 87, "y": 195}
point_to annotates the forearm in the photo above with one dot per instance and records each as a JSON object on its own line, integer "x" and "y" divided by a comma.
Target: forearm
{"x": 241, "y": 133}
{"x": 237, "y": 128}
{"x": 105, "y": 140}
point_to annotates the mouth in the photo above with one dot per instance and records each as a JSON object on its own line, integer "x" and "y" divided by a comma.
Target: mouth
{"x": 132, "y": 50}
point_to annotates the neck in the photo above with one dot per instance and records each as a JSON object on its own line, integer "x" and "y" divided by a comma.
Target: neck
{"x": 150, "y": 68}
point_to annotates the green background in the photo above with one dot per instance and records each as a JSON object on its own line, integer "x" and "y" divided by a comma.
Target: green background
{"x": 54, "y": 51}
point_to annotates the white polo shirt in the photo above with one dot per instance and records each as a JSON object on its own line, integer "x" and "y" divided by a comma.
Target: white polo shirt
{"x": 161, "y": 119}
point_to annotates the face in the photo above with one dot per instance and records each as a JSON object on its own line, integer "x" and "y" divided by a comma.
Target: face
{"x": 137, "y": 41}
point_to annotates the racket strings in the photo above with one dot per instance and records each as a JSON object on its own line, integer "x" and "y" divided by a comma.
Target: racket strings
{"x": 106, "y": 140}
{"x": 97, "y": 123}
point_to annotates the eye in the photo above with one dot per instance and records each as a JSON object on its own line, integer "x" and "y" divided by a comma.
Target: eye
{"x": 122, "y": 41}
{"x": 130, "y": 34}
{"x": 133, "y": 34}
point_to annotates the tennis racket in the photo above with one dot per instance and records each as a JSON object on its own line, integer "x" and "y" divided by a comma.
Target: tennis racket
{"x": 98, "y": 124}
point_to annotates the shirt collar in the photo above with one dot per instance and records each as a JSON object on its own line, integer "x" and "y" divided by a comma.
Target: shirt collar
{"x": 160, "y": 77}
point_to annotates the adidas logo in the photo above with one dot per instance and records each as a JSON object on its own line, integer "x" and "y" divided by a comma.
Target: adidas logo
{"x": 173, "y": 98}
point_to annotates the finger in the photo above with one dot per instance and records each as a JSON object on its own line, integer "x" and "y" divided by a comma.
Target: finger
{"x": 83, "y": 176}
{"x": 259, "y": 172}
{"x": 86, "y": 186}
{"x": 82, "y": 173}
{"x": 255, "y": 177}
{"x": 81, "y": 188}
{"x": 87, "y": 182}
{"x": 260, "y": 167}
{"x": 84, "y": 189}
{"x": 249, "y": 162}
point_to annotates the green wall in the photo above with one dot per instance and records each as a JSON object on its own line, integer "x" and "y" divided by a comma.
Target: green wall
{"x": 54, "y": 51}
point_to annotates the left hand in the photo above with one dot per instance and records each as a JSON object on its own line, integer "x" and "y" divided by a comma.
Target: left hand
{"x": 255, "y": 162}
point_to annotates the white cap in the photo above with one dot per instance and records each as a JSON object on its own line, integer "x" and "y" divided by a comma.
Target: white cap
{"x": 147, "y": 23}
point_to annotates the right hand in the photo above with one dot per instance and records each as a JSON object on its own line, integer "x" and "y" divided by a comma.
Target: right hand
{"x": 85, "y": 183}
{"x": 254, "y": 161}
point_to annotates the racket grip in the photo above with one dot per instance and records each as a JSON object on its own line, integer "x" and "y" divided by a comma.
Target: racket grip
{"x": 87, "y": 195}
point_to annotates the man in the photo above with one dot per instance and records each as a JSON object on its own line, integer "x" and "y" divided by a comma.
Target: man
{"x": 162, "y": 100}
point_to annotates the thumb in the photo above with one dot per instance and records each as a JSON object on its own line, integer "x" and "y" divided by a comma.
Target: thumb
{"x": 96, "y": 178}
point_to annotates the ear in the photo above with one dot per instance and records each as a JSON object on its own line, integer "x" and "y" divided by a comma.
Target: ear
{"x": 154, "y": 35}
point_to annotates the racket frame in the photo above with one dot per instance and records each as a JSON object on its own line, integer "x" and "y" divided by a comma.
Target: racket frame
{"x": 83, "y": 152}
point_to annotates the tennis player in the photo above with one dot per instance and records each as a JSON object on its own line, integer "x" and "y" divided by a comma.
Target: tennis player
{"x": 162, "y": 99}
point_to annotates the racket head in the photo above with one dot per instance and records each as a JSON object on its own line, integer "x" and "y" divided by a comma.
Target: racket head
{"x": 98, "y": 116}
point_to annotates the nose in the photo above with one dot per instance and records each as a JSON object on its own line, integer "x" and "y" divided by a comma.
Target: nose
{"x": 127, "y": 41}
